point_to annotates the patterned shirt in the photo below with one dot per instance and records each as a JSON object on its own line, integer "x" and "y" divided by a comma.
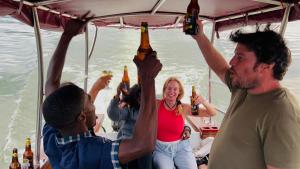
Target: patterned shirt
{"x": 81, "y": 151}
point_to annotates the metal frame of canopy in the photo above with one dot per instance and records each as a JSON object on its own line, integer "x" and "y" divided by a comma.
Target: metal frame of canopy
{"x": 37, "y": 9}
{"x": 158, "y": 13}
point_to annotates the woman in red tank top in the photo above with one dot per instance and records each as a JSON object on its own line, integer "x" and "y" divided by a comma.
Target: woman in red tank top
{"x": 172, "y": 148}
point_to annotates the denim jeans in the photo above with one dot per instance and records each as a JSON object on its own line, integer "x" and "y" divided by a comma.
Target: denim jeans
{"x": 167, "y": 155}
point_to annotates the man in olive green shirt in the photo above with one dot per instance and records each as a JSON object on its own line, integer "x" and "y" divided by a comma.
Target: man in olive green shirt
{"x": 261, "y": 128}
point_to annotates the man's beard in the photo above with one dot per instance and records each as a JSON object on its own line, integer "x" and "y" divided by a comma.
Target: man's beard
{"x": 239, "y": 83}
{"x": 245, "y": 84}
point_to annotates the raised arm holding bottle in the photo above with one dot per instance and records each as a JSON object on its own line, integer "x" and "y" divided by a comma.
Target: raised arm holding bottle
{"x": 145, "y": 47}
{"x": 69, "y": 113}
{"x": 260, "y": 108}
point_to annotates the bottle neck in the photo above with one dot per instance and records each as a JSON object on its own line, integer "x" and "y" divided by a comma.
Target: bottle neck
{"x": 125, "y": 76}
{"x": 14, "y": 158}
{"x": 194, "y": 3}
{"x": 193, "y": 93}
{"x": 28, "y": 147}
{"x": 193, "y": 8}
{"x": 145, "y": 43}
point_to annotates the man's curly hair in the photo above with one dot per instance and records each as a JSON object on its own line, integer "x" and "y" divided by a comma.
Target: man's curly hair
{"x": 268, "y": 46}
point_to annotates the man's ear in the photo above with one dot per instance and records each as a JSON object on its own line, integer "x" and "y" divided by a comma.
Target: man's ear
{"x": 81, "y": 117}
{"x": 268, "y": 67}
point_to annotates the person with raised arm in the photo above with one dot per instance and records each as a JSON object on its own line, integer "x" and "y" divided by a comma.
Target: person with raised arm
{"x": 69, "y": 113}
{"x": 261, "y": 126}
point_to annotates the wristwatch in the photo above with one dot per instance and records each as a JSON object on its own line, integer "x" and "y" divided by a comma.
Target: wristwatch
{"x": 187, "y": 128}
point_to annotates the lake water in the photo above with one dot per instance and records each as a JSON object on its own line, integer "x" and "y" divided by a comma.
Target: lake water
{"x": 114, "y": 48}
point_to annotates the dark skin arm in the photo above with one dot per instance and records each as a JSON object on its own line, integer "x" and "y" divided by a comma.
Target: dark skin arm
{"x": 72, "y": 28}
{"x": 144, "y": 135}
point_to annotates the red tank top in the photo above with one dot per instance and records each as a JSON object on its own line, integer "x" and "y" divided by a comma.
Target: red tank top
{"x": 170, "y": 125}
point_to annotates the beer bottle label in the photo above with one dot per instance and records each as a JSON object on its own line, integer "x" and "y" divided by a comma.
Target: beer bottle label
{"x": 25, "y": 164}
{"x": 30, "y": 159}
{"x": 191, "y": 26}
{"x": 195, "y": 109}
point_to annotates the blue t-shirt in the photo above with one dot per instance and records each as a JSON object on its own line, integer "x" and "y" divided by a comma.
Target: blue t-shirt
{"x": 83, "y": 151}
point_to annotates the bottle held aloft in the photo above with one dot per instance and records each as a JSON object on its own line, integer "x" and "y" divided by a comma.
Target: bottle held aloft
{"x": 14, "y": 160}
{"x": 125, "y": 81}
{"x": 144, "y": 48}
{"x": 28, "y": 154}
{"x": 194, "y": 106}
{"x": 190, "y": 26}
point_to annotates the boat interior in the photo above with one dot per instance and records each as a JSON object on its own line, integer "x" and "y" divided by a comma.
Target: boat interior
{"x": 128, "y": 14}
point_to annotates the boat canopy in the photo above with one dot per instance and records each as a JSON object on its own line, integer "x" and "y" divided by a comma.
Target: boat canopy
{"x": 227, "y": 14}
{"x": 160, "y": 14}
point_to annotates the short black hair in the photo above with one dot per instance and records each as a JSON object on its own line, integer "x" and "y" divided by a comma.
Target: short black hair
{"x": 61, "y": 107}
{"x": 132, "y": 99}
{"x": 268, "y": 46}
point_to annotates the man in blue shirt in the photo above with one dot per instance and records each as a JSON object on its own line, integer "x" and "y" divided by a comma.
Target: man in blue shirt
{"x": 69, "y": 114}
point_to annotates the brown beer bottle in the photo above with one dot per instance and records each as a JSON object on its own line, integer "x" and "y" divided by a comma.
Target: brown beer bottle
{"x": 144, "y": 47}
{"x": 28, "y": 154}
{"x": 191, "y": 26}
{"x": 194, "y": 107}
{"x": 125, "y": 81}
{"x": 14, "y": 160}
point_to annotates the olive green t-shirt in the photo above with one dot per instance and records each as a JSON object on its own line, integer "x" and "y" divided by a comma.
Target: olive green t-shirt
{"x": 258, "y": 130}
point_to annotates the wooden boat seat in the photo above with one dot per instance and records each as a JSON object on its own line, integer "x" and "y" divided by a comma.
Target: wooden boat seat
{"x": 202, "y": 125}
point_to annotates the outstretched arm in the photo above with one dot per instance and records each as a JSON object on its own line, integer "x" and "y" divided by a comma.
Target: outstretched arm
{"x": 144, "y": 135}
{"x": 72, "y": 28}
{"x": 100, "y": 84}
{"x": 117, "y": 111}
{"x": 213, "y": 57}
{"x": 207, "y": 110}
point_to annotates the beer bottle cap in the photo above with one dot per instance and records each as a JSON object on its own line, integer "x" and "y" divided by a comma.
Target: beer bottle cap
{"x": 27, "y": 141}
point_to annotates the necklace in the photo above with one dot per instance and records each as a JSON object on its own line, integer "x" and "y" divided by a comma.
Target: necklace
{"x": 171, "y": 107}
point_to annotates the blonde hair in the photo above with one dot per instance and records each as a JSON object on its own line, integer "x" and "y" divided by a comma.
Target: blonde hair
{"x": 179, "y": 108}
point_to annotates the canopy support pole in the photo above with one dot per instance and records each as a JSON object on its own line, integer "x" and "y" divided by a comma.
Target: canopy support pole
{"x": 285, "y": 19}
{"x": 40, "y": 85}
{"x": 157, "y": 6}
{"x": 212, "y": 39}
{"x": 94, "y": 42}
{"x": 86, "y": 59}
